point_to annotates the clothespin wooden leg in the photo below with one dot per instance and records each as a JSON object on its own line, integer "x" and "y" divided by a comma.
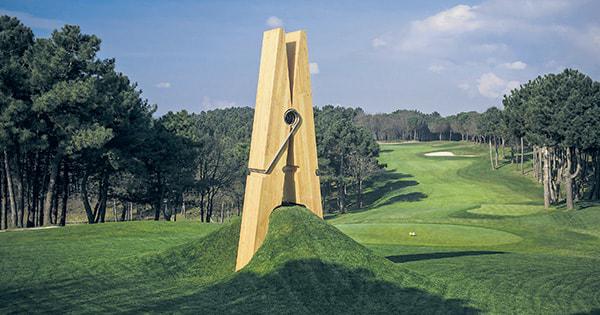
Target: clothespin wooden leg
{"x": 283, "y": 153}
{"x": 263, "y": 191}
{"x": 303, "y": 186}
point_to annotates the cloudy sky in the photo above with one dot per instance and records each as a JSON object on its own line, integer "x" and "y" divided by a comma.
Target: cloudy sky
{"x": 446, "y": 56}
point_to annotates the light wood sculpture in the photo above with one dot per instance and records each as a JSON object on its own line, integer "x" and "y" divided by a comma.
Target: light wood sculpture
{"x": 283, "y": 152}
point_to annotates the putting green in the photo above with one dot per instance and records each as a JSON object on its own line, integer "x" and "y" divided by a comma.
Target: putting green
{"x": 427, "y": 234}
{"x": 507, "y": 210}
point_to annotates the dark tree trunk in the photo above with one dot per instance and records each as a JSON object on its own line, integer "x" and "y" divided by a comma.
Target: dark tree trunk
{"x": 57, "y": 190}
{"x": 48, "y": 201}
{"x": 101, "y": 217}
{"x": 157, "y": 210}
{"x": 13, "y": 219}
{"x": 123, "y": 212}
{"x": 546, "y": 177}
{"x": 210, "y": 204}
{"x": 496, "y": 151}
{"x": 522, "y": 156}
{"x": 502, "y": 149}
{"x": 3, "y": 208}
{"x": 65, "y": 195}
{"x": 166, "y": 214}
{"x": 569, "y": 177}
{"x": 360, "y": 201}
{"x": 595, "y": 195}
{"x": 202, "y": 195}
{"x": 491, "y": 155}
{"x": 86, "y": 202}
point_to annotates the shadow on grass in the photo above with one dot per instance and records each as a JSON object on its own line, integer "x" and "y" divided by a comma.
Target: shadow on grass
{"x": 310, "y": 287}
{"x": 595, "y": 311}
{"x": 299, "y": 287}
{"x": 375, "y": 189}
{"x": 410, "y": 197}
{"x": 428, "y": 256}
{"x": 388, "y": 181}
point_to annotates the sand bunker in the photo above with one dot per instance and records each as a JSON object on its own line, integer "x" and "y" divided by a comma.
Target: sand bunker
{"x": 31, "y": 229}
{"x": 403, "y": 142}
{"x": 446, "y": 153}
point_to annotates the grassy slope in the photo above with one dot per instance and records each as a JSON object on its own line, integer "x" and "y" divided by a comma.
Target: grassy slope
{"x": 554, "y": 268}
{"x": 305, "y": 266}
{"x": 459, "y": 262}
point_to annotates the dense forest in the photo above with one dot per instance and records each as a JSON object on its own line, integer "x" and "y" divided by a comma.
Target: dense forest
{"x": 75, "y": 132}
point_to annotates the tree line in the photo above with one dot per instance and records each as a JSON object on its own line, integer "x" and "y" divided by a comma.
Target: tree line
{"x": 553, "y": 120}
{"x": 414, "y": 125}
{"x": 73, "y": 128}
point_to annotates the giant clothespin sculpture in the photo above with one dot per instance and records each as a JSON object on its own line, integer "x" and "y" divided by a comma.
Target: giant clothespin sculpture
{"x": 283, "y": 151}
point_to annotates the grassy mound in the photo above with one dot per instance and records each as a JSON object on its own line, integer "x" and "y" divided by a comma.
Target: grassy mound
{"x": 304, "y": 266}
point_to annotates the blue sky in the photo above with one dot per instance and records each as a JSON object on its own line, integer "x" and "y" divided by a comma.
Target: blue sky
{"x": 445, "y": 56}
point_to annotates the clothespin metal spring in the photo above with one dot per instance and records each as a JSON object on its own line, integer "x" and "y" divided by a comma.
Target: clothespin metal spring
{"x": 293, "y": 119}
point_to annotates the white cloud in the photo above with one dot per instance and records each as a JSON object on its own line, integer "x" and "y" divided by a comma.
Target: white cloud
{"x": 511, "y": 85}
{"x": 438, "y": 33}
{"x": 464, "y": 86}
{"x": 274, "y": 21}
{"x": 34, "y": 21}
{"x": 594, "y": 35}
{"x": 517, "y": 65}
{"x": 209, "y": 103}
{"x": 378, "y": 42}
{"x": 436, "y": 68}
{"x": 313, "y": 67}
{"x": 588, "y": 39}
{"x": 492, "y": 86}
{"x": 163, "y": 85}
{"x": 459, "y": 19}
{"x": 528, "y": 8}
{"x": 463, "y": 27}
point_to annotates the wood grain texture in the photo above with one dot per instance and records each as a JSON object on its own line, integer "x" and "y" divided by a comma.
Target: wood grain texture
{"x": 302, "y": 184}
{"x": 283, "y": 76}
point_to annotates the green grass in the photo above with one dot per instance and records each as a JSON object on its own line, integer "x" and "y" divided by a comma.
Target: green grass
{"x": 427, "y": 234}
{"x": 553, "y": 268}
{"x": 507, "y": 210}
{"x": 484, "y": 243}
{"x": 305, "y": 266}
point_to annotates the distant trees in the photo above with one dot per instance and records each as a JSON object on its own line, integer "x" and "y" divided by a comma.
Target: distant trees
{"x": 559, "y": 114}
{"x": 490, "y": 128}
{"x": 439, "y": 125}
{"x": 347, "y": 154}
{"x": 418, "y": 126}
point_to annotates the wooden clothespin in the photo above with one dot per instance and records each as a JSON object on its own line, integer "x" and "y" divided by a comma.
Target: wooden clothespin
{"x": 283, "y": 166}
